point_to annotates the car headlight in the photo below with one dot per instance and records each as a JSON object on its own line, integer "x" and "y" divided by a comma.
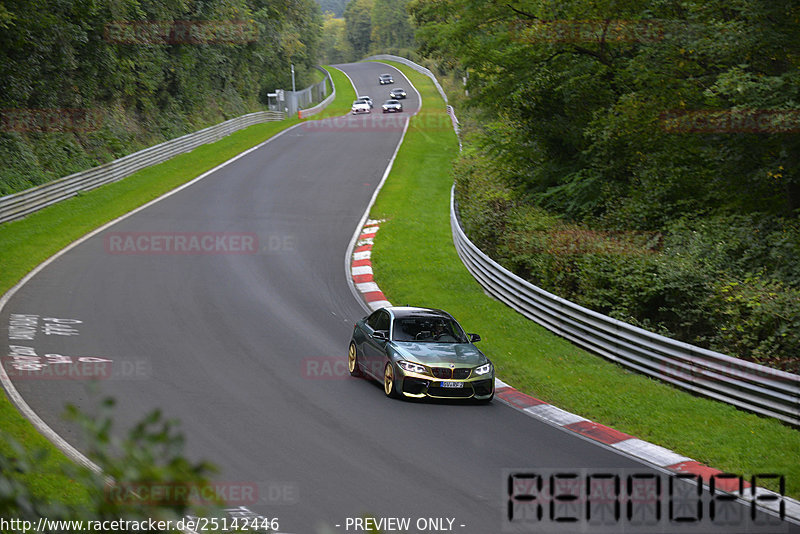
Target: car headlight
{"x": 412, "y": 367}
{"x": 483, "y": 369}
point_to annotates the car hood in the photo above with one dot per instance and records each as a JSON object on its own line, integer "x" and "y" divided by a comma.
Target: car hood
{"x": 436, "y": 354}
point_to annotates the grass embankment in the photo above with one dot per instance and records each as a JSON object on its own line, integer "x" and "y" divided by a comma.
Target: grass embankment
{"x": 345, "y": 94}
{"x": 26, "y": 243}
{"x": 414, "y": 261}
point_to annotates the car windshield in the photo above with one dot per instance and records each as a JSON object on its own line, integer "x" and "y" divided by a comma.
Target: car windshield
{"x": 428, "y": 330}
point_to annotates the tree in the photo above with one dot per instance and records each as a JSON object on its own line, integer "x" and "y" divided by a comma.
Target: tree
{"x": 335, "y": 46}
{"x": 358, "y": 25}
{"x": 390, "y": 25}
{"x": 574, "y": 100}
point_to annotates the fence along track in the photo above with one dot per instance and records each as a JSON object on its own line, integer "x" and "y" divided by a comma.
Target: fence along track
{"x": 749, "y": 386}
{"x": 25, "y": 202}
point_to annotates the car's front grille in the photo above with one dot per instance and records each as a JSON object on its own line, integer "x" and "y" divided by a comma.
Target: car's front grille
{"x": 442, "y": 372}
{"x": 461, "y": 374}
{"x": 445, "y": 373}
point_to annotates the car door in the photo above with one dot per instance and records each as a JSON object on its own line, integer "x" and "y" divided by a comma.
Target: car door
{"x": 374, "y": 346}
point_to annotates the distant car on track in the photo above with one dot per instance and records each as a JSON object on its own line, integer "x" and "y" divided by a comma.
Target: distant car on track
{"x": 392, "y": 106}
{"x": 420, "y": 352}
{"x": 397, "y": 93}
{"x": 359, "y": 106}
{"x": 366, "y": 99}
{"x": 384, "y": 79}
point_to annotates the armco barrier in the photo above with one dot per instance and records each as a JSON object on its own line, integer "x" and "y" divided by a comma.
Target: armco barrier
{"x": 33, "y": 199}
{"x": 746, "y": 385}
{"x": 305, "y": 113}
{"x": 296, "y": 101}
{"x": 743, "y": 384}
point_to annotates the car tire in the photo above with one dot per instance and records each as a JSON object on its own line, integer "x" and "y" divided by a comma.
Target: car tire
{"x": 389, "y": 383}
{"x": 352, "y": 361}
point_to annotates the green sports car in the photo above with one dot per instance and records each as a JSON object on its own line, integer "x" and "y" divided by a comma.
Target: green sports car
{"x": 420, "y": 352}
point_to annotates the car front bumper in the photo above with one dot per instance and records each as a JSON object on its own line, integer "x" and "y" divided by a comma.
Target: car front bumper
{"x": 416, "y": 385}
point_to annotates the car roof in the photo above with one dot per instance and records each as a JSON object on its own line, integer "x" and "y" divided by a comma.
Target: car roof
{"x": 413, "y": 311}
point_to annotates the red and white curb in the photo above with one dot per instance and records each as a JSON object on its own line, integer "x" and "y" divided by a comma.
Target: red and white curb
{"x": 361, "y": 267}
{"x": 640, "y": 449}
{"x": 361, "y": 272}
{"x": 365, "y": 285}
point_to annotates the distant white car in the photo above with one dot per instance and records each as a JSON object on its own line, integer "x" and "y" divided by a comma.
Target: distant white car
{"x": 392, "y": 106}
{"x": 359, "y": 106}
{"x": 366, "y": 99}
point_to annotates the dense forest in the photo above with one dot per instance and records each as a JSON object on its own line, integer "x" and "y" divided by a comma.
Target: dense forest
{"x": 639, "y": 157}
{"x": 85, "y": 81}
{"x": 367, "y": 27}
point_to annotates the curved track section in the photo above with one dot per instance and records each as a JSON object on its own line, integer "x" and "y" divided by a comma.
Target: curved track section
{"x": 246, "y": 344}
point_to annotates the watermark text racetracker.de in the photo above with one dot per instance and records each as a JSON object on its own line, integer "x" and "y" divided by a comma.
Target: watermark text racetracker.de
{"x": 176, "y": 493}
{"x": 181, "y": 243}
{"x": 332, "y": 368}
{"x": 587, "y": 31}
{"x": 764, "y": 121}
{"x": 49, "y": 120}
{"x": 191, "y": 32}
{"x": 23, "y": 362}
{"x": 379, "y": 122}
{"x": 190, "y": 523}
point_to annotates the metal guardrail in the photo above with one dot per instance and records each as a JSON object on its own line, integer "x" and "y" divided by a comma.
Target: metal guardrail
{"x": 25, "y": 202}
{"x": 303, "y": 98}
{"x": 746, "y": 385}
{"x": 305, "y": 113}
{"x": 743, "y": 384}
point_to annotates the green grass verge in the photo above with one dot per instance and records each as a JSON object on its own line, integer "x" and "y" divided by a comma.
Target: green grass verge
{"x": 345, "y": 94}
{"x": 26, "y": 243}
{"x": 415, "y": 262}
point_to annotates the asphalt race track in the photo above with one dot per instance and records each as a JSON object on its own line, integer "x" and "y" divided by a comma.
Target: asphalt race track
{"x": 246, "y": 344}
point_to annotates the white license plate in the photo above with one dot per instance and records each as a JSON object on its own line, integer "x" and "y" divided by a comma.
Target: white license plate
{"x": 452, "y": 384}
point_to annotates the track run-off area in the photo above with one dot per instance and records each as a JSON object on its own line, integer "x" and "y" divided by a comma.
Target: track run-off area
{"x": 227, "y": 306}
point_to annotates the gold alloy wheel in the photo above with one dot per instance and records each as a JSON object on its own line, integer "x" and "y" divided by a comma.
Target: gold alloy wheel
{"x": 352, "y": 361}
{"x": 351, "y": 358}
{"x": 388, "y": 380}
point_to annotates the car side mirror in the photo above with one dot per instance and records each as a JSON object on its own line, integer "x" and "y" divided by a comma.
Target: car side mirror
{"x": 474, "y": 338}
{"x": 380, "y": 334}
